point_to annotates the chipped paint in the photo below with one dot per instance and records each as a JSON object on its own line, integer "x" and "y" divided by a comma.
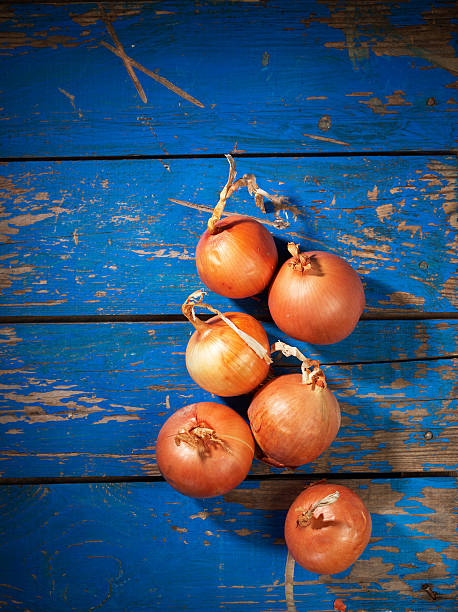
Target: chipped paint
{"x": 8, "y": 336}
{"x": 179, "y": 529}
{"x": 384, "y": 211}
{"x": 402, "y": 298}
{"x": 54, "y": 399}
{"x": 413, "y": 229}
{"x": 366, "y": 251}
{"x": 167, "y": 253}
{"x": 449, "y": 191}
{"x": 120, "y": 418}
{"x": 399, "y": 383}
{"x": 21, "y": 221}
{"x": 381, "y": 108}
{"x": 121, "y": 218}
{"x": 15, "y": 40}
{"x": 449, "y": 291}
{"x": 126, "y": 408}
{"x": 372, "y": 194}
{"x": 8, "y": 275}
{"x": 368, "y": 30}
{"x": 439, "y": 522}
{"x": 406, "y": 417}
{"x": 245, "y": 532}
{"x": 115, "y": 10}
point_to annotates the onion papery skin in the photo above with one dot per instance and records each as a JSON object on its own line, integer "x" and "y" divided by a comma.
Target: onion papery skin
{"x": 239, "y": 259}
{"x": 293, "y": 422}
{"x": 219, "y": 471}
{"x": 337, "y": 533}
{"x": 321, "y": 305}
{"x": 220, "y": 362}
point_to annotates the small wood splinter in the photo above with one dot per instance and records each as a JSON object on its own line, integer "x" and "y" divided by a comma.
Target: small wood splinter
{"x": 130, "y": 63}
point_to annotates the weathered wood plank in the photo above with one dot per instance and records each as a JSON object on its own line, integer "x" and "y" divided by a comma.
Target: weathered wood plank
{"x": 308, "y": 76}
{"x": 103, "y": 237}
{"x": 90, "y": 399}
{"x": 146, "y": 547}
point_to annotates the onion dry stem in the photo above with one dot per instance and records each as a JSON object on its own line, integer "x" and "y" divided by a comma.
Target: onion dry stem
{"x": 201, "y": 438}
{"x": 247, "y": 180}
{"x": 305, "y": 518}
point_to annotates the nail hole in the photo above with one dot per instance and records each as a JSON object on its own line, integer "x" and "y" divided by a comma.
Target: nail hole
{"x": 324, "y": 123}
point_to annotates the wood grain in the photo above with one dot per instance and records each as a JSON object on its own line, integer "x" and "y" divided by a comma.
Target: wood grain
{"x": 104, "y": 237}
{"x": 144, "y": 546}
{"x": 79, "y": 400}
{"x": 313, "y": 76}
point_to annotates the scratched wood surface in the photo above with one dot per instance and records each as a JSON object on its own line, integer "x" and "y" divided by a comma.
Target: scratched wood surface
{"x": 104, "y": 546}
{"x": 90, "y": 399}
{"x": 319, "y": 76}
{"x": 96, "y": 260}
{"x": 99, "y": 237}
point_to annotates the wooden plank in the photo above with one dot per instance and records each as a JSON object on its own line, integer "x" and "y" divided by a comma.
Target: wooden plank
{"x": 90, "y": 399}
{"x": 309, "y": 76}
{"x": 146, "y": 547}
{"x": 104, "y": 237}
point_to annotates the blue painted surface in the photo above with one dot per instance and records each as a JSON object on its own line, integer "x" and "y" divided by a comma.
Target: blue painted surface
{"x": 104, "y": 238}
{"x": 383, "y": 73}
{"x": 145, "y": 546}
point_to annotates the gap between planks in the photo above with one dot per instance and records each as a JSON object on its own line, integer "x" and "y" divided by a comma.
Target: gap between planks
{"x": 378, "y": 315}
{"x": 293, "y": 154}
{"x": 45, "y": 480}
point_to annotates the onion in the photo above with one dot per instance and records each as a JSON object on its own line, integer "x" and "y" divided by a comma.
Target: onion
{"x": 316, "y": 297}
{"x": 228, "y": 354}
{"x": 327, "y": 528}
{"x": 295, "y": 417}
{"x": 204, "y": 449}
{"x": 237, "y": 256}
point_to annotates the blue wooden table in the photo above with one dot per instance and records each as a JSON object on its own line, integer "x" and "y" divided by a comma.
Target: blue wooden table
{"x": 115, "y": 119}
